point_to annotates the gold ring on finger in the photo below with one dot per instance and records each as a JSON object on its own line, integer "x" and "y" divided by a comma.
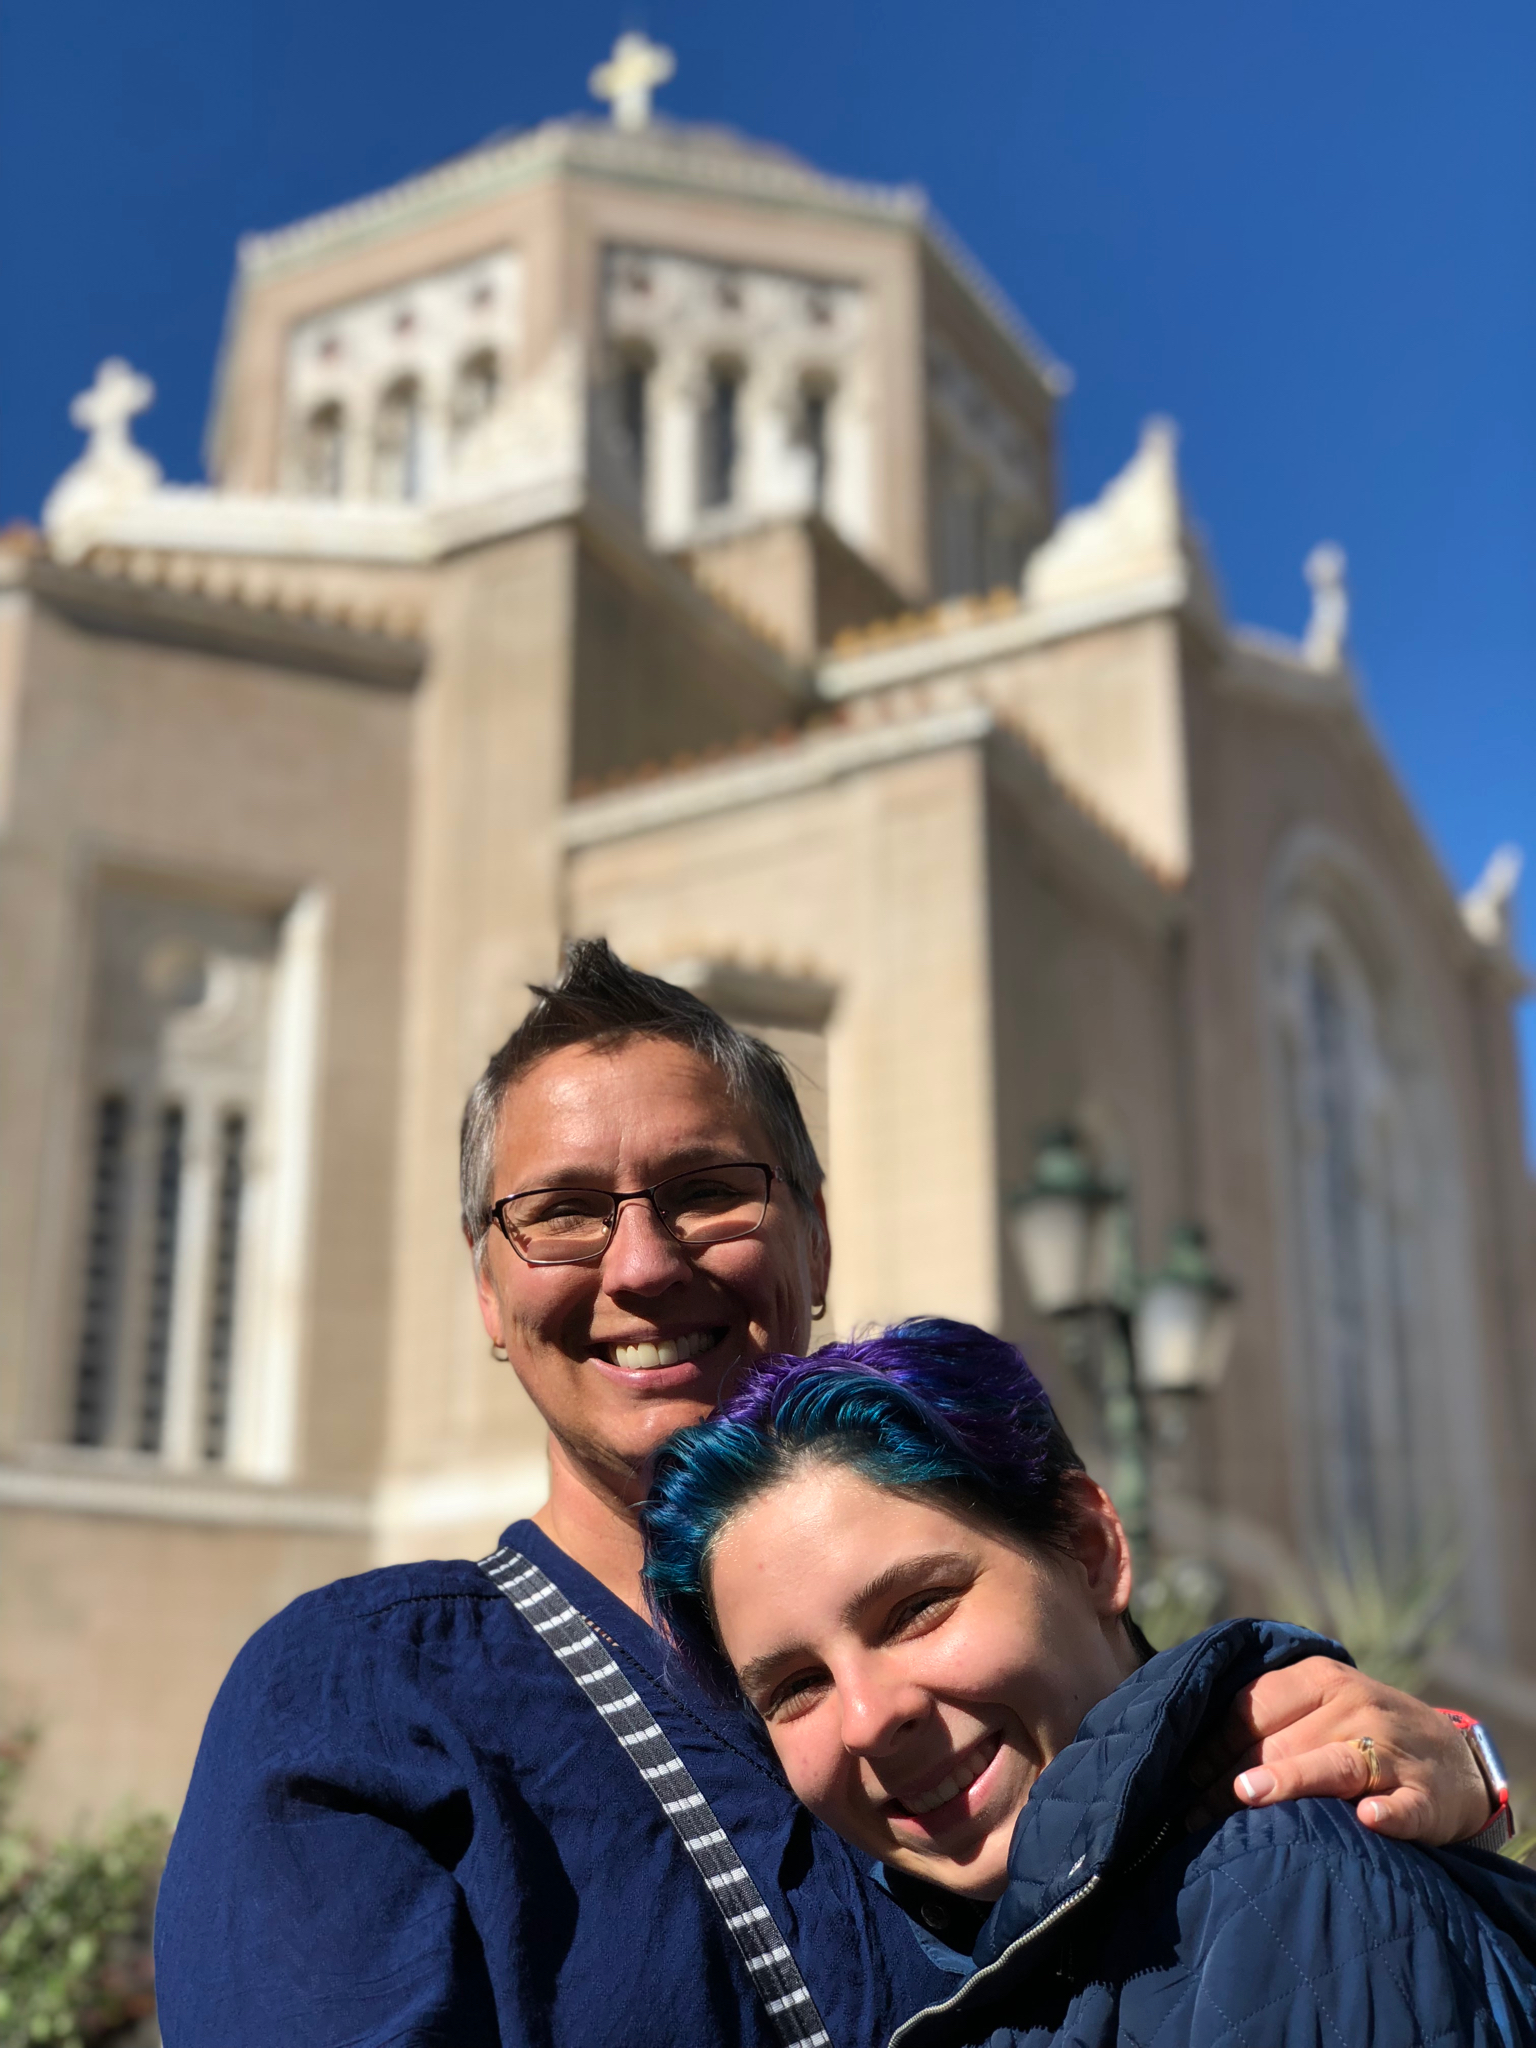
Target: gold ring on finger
{"x": 1366, "y": 1744}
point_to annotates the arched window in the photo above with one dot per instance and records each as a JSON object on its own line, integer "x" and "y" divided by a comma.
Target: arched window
{"x": 397, "y": 442}
{"x": 816, "y": 395}
{"x": 720, "y": 436}
{"x": 632, "y": 393}
{"x": 323, "y": 452}
{"x": 476, "y": 388}
{"x": 1355, "y": 1168}
{"x": 1382, "y": 1344}
{"x": 1337, "y": 1191}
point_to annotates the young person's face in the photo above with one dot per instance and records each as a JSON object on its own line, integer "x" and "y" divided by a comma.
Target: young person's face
{"x": 584, "y": 1339}
{"x": 916, "y": 1669}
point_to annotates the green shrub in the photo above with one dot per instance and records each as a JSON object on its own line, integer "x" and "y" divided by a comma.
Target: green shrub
{"x": 75, "y": 1919}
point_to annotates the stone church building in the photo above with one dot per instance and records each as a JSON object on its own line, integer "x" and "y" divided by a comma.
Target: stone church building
{"x": 625, "y": 528}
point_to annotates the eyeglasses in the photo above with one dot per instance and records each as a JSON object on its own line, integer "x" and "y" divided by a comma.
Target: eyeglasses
{"x": 568, "y": 1226}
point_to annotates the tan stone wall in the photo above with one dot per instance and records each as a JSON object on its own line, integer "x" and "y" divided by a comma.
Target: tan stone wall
{"x": 798, "y": 578}
{"x": 660, "y": 669}
{"x": 1106, "y": 709}
{"x": 879, "y": 888}
{"x": 1085, "y": 1021}
{"x": 115, "y": 1634}
{"x": 490, "y": 770}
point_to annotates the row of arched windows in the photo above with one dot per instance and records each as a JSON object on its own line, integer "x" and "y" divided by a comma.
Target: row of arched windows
{"x": 719, "y": 426}
{"x": 394, "y": 450}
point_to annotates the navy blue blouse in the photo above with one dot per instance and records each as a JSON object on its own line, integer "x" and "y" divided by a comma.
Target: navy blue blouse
{"x": 407, "y": 1826}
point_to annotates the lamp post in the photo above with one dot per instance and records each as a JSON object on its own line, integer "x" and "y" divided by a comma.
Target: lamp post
{"x": 1136, "y": 1337}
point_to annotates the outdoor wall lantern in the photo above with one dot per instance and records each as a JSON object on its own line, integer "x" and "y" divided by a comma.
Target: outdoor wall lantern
{"x": 1146, "y": 1346}
{"x": 1072, "y": 1234}
{"x": 1061, "y": 1226}
{"x": 1185, "y": 1320}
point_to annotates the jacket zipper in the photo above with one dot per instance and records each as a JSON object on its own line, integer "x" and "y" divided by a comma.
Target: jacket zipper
{"x": 948, "y": 2005}
{"x": 1056, "y": 1913}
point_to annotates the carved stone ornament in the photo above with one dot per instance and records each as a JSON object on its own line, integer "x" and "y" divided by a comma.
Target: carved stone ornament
{"x": 112, "y": 472}
{"x": 633, "y": 72}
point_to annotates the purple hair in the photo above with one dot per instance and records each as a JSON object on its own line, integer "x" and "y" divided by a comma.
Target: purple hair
{"x": 938, "y": 1410}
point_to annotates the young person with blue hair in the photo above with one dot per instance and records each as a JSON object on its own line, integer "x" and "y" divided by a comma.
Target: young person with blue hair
{"x": 892, "y": 1553}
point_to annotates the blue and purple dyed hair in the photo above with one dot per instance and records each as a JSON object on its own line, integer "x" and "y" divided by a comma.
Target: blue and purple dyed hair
{"x": 938, "y": 1410}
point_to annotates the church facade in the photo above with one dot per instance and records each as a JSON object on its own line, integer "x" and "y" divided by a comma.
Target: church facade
{"x": 627, "y": 529}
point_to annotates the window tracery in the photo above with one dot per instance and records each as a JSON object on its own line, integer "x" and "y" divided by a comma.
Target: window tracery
{"x": 1373, "y": 1340}
{"x": 453, "y": 335}
{"x": 193, "y": 1012}
{"x": 758, "y": 389}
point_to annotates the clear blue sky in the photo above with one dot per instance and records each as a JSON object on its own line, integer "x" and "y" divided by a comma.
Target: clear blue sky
{"x": 1305, "y": 230}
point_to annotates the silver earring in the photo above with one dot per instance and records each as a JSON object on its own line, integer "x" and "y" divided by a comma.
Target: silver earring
{"x": 499, "y": 1353}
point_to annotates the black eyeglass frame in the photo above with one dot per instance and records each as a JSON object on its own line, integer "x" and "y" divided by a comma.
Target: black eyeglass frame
{"x": 617, "y": 1200}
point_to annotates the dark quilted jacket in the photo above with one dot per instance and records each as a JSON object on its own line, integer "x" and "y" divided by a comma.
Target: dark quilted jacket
{"x": 1285, "y": 1926}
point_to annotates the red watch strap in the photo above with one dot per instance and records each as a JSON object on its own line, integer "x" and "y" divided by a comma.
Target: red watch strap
{"x": 1499, "y": 1828}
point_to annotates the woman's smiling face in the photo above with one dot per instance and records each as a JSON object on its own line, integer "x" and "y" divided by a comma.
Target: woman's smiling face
{"x": 916, "y": 1668}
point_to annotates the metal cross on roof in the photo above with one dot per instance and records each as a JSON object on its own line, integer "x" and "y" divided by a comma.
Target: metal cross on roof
{"x": 105, "y": 410}
{"x": 631, "y": 74}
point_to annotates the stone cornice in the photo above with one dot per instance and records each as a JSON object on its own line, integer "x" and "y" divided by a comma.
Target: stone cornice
{"x": 944, "y": 650}
{"x": 707, "y": 161}
{"x": 700, "y": 161}
{"x": 70, "y": 1487}
{"x": 954, "y": 257}
{"x": 806, "y": 761}
{"x": 283, "y": 528}
{"x": 820, "y": 758}
{"x": 169, "y": 617}
{"x": 118, "y": 1485}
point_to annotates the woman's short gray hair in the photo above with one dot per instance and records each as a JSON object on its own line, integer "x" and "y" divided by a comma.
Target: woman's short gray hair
{"x": 601, "y": 1001}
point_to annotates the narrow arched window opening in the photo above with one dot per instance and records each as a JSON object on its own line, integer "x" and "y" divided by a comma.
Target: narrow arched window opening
{"x": 476, "y": 390}
{"x": 816, "y": 396}
{"x": 633, "y": 390}
{"x": 229, "y": 1196}
{"x": 1337, "y": 1113}
{"x": 170, "y": 1136}
{"x": 397, "y": 442}
{"x": 721, "y": 435}
{"x": 323, "y": 452}
{"x": 96, "y": 1347}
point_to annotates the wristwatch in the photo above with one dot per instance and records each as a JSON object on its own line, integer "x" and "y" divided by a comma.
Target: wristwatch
{"x": 1501, "y": 1828}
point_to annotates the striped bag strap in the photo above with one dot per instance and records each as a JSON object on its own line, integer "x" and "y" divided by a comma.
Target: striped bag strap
{"x": 775, "y": 1976}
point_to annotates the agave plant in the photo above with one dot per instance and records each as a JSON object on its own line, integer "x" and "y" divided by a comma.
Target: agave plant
{"x": 1392, "y": 1617}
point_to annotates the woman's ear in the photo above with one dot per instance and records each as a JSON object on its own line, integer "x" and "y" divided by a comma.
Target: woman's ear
{"x": 1100, "y": 1545}
{"x": 821, "y": 1251}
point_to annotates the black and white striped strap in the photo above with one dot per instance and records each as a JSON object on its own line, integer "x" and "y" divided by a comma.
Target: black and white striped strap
{"x": 575, "y": 1642}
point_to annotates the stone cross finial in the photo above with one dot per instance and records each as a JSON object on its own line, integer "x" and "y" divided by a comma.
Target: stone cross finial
{"x": 633, "y": 72}
{"x": 105, "y": 410}
{"x": 110, "y": 472}
{"x": 1328, "y": 627}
